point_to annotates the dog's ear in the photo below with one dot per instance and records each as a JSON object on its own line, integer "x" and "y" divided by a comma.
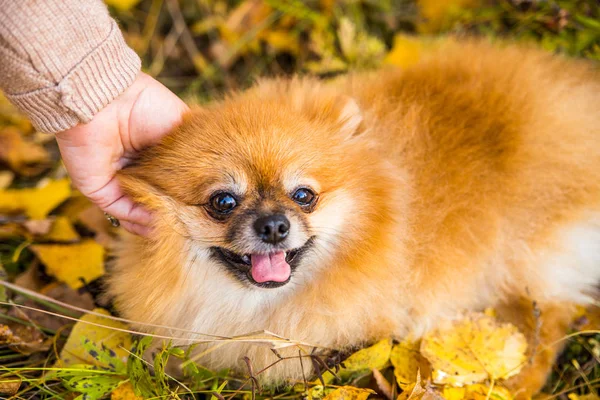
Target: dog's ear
{"x": 349, "y": 117}
{"x": 137, "y": 186}
{"x": 317, "y": 100}
{"x": 324, "y": 102}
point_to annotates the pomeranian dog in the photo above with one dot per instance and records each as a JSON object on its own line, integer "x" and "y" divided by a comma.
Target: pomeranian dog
{"x": 375, "y": 206}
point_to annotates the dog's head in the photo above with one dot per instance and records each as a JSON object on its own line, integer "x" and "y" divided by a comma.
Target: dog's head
{"x": 269, "y": 182}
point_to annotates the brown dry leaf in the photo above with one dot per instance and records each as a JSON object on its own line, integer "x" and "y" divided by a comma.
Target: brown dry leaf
{"x": 474, "y": 349}
{"x": 38, "y": 227}
{"x": 57, "y": 291}
{"x": 385, "y": 387}
{"x": 22, "y": 156}
{"x": 349, "y": 393}
{"x": 407, "y": 362}
{"x": 116, "y": 342}
{"x": 24, "y": 339}
{"x": 30, "y": 278}
{"x": 71, "y": 263}
{"x": 93, "y": 219}
{"x": 10, "y": 386}
{"x": 36, "y": 203}
{"x": 124, "y": 392}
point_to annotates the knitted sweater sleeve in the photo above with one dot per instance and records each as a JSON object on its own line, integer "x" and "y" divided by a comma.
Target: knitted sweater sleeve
{"x": 62, "y": 61}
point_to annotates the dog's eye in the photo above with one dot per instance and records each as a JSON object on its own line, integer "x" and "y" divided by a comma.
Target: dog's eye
{"x": 304, "y": 196}
{"x": 223, "y": 202}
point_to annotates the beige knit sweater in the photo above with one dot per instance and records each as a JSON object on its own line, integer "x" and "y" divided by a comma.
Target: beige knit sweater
{"x": 62, "y": 61}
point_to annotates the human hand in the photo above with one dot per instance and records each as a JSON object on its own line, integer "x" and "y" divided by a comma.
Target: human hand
{"x": 94, "y": 152}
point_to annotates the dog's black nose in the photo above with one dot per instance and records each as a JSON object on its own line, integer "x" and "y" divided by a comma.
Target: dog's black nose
{"x": 272, "y": 228}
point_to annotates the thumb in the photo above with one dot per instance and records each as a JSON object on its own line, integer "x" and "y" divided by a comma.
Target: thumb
{"x": 155, "y": 113}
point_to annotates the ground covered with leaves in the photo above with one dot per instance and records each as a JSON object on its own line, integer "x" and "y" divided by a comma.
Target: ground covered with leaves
{"x": 58, "y": 338}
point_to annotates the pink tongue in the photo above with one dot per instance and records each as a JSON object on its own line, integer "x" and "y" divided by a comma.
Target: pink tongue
{"x": 270, "y": 267}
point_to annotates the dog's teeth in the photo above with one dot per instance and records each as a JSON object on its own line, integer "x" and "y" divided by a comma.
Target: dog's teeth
{"x": 246, "y": 258}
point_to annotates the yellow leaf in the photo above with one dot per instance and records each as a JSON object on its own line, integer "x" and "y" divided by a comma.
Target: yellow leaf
{"x": 454, "y": 393}
{"x": 315, "y": 392}
{"x": 349, "y": 393}
{"x": 437, "y": 15}
{"x": 124, "y": 392}
{"x": 75, "y": 205}
{"x": 122, "y": 5}
{"x": 69, "y": 263}
{"x": 414, "y": 391}
{"x": 490, "y": 312}
{"x": 477, "y": 392}
{"x": 62, "y": 231}
{"x": 281, "y": 41}
{"x": 407, "y": 362}
{"x": 248, "y": 15}
{"x": 419, "y": 391}
{"x": 36, "y": 203}
{"x": 589, "y": 396}
{"x": 363, "y": 361}
{"x": 9, "y": 115}
{"x": 6, "y": 178}
{"x": 588, "y": 319}
{"x": 117, "y": 341}
{"x": 474, "y": 349}
{"x": 327, "y": 6}
{"x": 206, "y": 24}
{"x": 22, "y": 156}
{"x": 373, "y": 357}
{"x": 359, "y": 48}
{"x": 406, "y": 51}
{"x": 326, "y": 65}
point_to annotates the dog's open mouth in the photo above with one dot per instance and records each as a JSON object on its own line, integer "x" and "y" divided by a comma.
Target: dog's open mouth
{"x": 270, "y": 270}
